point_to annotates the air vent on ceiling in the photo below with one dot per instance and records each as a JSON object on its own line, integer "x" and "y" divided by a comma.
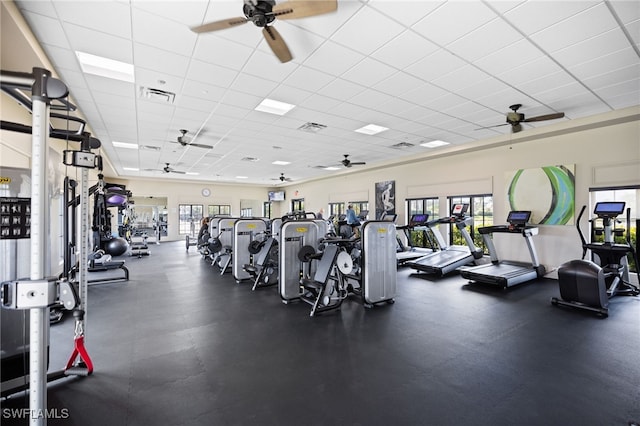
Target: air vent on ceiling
{"x": 150, "y": 148}
{"x": 252, "y": 159}
{"x": 312, "y": 127}
{"x": 402, "y": 145}
{"x": 157, "y": 95}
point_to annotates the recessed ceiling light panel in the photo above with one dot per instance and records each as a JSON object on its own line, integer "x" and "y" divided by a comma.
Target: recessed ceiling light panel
{"x": 125, "y": 145}
{"x": 371, "y": 129}
{"x": 281, "y": 163}
{"x": 105, "y": 67}
{"x": 434, "y": 144}
{"x": 274, "y": 107}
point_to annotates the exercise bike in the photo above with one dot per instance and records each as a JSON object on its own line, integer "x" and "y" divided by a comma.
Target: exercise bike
{"x": 589, "y": 285}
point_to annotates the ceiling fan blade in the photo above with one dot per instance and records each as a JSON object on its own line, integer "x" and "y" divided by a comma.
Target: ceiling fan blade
{"x": 294, "y": 9}
{"x": 219, "y": 25}
{"x": 544, "y": 117}
{"x": 358, "y": 163}
{"x": 277, "y": 44}
{"x": 199, "y": 145}
{"x": 491, "y": 127}
{"x": 177, "y": 171}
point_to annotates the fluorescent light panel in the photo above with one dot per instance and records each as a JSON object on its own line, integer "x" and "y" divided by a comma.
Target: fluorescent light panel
{"x": 274, "y": 107}
{"x": 242, "y": 177}
{"x": 105, "y": 67}
{"x": 192, "y": 173}
{"x": 131, "y": 169}
{"x": 125, "y": 145}
{"x": 434, "y": 144}
{"x": 332, "y": 168}
{"x": 281, "y": 163}
{"x": 371, "y": 129}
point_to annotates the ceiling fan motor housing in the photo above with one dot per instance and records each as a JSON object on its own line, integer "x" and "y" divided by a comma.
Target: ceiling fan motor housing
{"x": 260, "y": 13}
{"x": 514, "y": 117}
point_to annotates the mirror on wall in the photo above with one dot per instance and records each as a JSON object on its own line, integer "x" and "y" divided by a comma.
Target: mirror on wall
{"x": 250, "y": 208}
{"x": 149, "y": 214}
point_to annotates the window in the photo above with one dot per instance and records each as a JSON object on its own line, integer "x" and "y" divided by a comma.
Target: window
{"x": 481, "y": 209}
{"x": 190, "y": 216}
{"x": 420, "y": 238}
{"x": 631, "y": 196}
{"x": 266, "y": 209}
{"x": 297, "y": 205}
{"x": 359, "y": 206}
{"x": 336, "y": 209}
{"x": 218, "y": 209}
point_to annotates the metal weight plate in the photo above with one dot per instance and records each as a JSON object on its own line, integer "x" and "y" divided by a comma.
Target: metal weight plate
{"x": 344, "y": 262}
{"x": 305, "y": 253}
{"x": 215, "y": 245}
{"x": 255, "y": 246}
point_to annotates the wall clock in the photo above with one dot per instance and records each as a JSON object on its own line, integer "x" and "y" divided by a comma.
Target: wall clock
{"x": 206, "y": 192}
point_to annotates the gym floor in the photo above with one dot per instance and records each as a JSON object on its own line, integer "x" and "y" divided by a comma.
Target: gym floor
{"x": 181, "y": 345}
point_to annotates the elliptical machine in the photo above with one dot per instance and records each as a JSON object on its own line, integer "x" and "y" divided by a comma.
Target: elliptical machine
{"x": 589, "y": 285}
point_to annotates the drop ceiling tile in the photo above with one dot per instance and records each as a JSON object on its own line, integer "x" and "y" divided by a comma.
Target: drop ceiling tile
{"x": 368, "y": 72}
{"x": 619, "y": 89}
{"x": 108, "y": 86}
{"x": 405, "y": 12}
{"x": 625, "y": 100}
{"x": 106, "y": 17}
{"x": 435, "y": 65}
{"x": 267, "y": 66}
{"x": 398, "y": 83}
{"x": 333, "y": 58}
{"x": 500, "y": 101}
{"x": 210, "y": 74}
{"x": 420, "y": 94}
{"x": 362, "y": 32}
{"x": 253, "y": 85}
{"x": 633, "y": 29}
{"x": 581, "y": 105}
{"x": 459, "y": 79}
{"x": 63, "y": 58}
{"x": 100, "y": 44}
{"x": 605, "y": 64}
{"x": 581, "y": 26}
{"x": 452, "y": 20}
{"x": 370, "y": 99}
{"x": 39, "y": 7}
{"x": 156, "y": 31}
{"x": 341, "y": 89}
{"x": 160, "y": 60}
{"x": 529, "y": 71}
{"x": 242, "y": 100}
{"x": 511, "y": 56}
{"x": 556, "y": 93}
{"x": 405, "y": 49}
{"x": 201, "y": 90}
{"x": 546, "y": 82}
{"x": 222, "y": 52}
{"x": 308, "y": 79}
{"x": 625, "y": 74}
{"x": 396, "y": 107}
{"x": 46, "y": 28}
{"x": 189, "y": 12}
{"x": 151, "y": 78}
{"x": 600, "y": 45}
{"x": 317, "y": 102}
{"x": 487, "y": 39}
{"x": 446, "y": 102}
{"x": 627, "y": 11}
{"x": 197, "y": 104}
{"x": 533, "y": 16}
{"x": 288, "y": 94}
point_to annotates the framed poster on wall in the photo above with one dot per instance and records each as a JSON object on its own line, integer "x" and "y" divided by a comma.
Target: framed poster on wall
{"x": 385, "y": 198}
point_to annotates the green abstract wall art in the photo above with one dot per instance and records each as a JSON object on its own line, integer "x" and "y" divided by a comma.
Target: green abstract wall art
{"x": 548, "y": 192}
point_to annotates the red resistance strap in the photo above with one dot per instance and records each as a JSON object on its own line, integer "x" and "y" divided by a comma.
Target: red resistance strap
{"x": 79, "y": 349}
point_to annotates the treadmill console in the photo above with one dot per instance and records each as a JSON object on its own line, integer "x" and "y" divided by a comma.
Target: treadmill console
{"x": 389, "y": 217}
{"x": 609, "y": 209}
{"x": 418, "y": 220}
{"x": 459, "y": 210}
{"x": 518, "y": 219}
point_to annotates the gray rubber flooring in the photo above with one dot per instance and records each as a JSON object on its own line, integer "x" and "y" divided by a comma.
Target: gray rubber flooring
{"x": 180, "y": 344}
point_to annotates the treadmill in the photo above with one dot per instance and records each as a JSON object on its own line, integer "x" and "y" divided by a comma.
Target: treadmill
{"x": 450, "y": 257}
{"x": 507, "y": 273}
{"x": 405, "y": 254}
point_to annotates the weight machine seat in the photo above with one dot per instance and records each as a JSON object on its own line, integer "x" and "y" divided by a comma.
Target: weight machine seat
{"x": 107, "y": 266}
{"x": 261, "y": 258}
{"x": 323, "y": 269}
{"x": 583, "y": 282}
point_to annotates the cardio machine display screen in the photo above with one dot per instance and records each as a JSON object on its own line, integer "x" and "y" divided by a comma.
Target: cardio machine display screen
{"x": 459, "y": 209}
{"x": 418, "y": 219}
{"x": 519, "y": 217}
{"x": 609, "y": 208}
